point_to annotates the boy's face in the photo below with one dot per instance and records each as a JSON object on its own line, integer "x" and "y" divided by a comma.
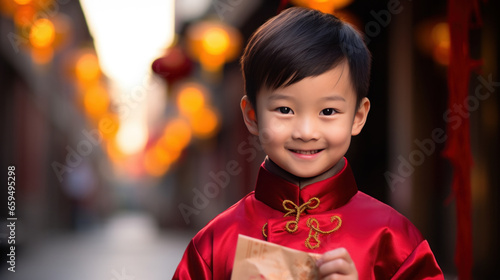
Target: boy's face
{"x": 306, "y": 128}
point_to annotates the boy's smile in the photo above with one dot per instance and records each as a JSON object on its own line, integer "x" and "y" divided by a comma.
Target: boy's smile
{"x": 306, "y": 128}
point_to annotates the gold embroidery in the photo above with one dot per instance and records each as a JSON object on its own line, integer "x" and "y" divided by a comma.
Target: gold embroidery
{"x": 313, "y": 225}
{"x": 297, "y": 210}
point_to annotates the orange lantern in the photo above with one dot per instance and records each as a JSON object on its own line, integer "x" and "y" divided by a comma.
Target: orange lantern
{"x": 325, "y": 6}
{"x": 22, "y": 2}
{"x": 42, "y": 33}
{"x": 433, "y": 39}
{"x": 191, "y": 98}
{"x": 213, "y": 44}
{"x": 205, "y": 123}
{"x": 87, "y": 67}
{"x": 108, "y": 125}
{"x": 176, "y": 135}
{"x": 96, "y": 101}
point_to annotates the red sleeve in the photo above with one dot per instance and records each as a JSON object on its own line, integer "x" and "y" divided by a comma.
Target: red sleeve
{"x": 420, "y": 264}
{"x": 192, "y": 265}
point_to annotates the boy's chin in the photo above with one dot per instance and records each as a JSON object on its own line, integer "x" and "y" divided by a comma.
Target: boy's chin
{"x": 305, "y": 173}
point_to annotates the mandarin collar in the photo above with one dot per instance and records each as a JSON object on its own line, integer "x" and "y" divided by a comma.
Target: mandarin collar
{"x": 332, "y": 192}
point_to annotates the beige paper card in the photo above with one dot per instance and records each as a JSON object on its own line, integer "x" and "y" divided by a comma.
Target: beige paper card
{"x": 257, "y": 259}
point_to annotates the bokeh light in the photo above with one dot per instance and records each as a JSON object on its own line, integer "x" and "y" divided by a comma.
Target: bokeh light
{"x": 441, "y": 39}
{"x": 22, "y": 2}
{"x": 441, "y": 32}
{"x": 132, "y": 137}
{"x": 96, "y": 101}
{"x": 190, "y": 99}
{"x": 205, "y": 123}
{"x": 114, "y": 153}
{"x": 87, "y": 68}
{"x": 157, "y": 161}
{"x": 441, "y": 53}
{"x": 42, "y": 33}
{"x": 326, "y": 6}
{"x": 108, "y": 125}
{"x": 176, "y": 135}
{"x": 215, "y": 41}
{"x": 433, "y": 39}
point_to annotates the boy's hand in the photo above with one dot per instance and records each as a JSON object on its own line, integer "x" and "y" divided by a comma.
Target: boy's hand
{"x": 337, "y": 264}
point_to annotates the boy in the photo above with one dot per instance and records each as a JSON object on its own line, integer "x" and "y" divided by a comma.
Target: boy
{"x": 306, "y": 79}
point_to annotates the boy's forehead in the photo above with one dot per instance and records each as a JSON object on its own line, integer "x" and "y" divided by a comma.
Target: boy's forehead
{"x": 338, "y": 74}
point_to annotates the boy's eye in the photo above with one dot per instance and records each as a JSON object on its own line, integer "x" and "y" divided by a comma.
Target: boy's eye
{"x": 328, "y": 111}
{"x": 284, "y": 110}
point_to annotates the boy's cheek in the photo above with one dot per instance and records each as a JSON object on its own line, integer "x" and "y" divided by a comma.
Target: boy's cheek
{"x": 271, "y": 130}
{"x": 266, "y": 136}
{"x": 277, "y": 127}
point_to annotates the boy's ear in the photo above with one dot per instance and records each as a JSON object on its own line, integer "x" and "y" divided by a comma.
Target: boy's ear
{"x": 360, "y": 116}
{"x": 249, "y": 115}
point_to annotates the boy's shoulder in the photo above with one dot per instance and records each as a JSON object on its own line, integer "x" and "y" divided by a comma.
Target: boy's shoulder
{"x": 378, "y": 214}
{"x": 235, "y": 214}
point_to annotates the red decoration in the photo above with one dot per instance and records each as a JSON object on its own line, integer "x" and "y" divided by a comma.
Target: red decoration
{"x": 174, "y": 66}
{"x": 457, "y": 148}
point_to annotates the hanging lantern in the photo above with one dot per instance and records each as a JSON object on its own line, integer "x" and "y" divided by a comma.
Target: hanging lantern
{"x": 173, "y": 66}
{"x": 108, "y": 125}
{"x": 22, "y": 2}
{"x": 205, "y": 123}
{"x": 213, "y": 44}
{"x": 87, "y": 67}
{"x": 433, "y": 39}
{"x": 96, "y": 101}
{"x": 176, "y": 135}
{"x": 441, "y": 39}
{"x": 42, "y": 33}
{"x": 325, "y": 6}
{"x": 83, "y": 67}
{"x": 191, "y": 98}
{"x": 45, "y": 36}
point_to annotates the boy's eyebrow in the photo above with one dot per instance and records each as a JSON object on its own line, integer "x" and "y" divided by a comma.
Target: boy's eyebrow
{"x": 333, "y": 98}
{"x": 277, "y": 96}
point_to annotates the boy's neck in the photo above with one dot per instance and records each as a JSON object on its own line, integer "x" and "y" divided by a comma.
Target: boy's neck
{"x": 299, "y": 181}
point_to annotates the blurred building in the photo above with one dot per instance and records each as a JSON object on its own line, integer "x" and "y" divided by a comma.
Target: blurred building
{"x": 58, "y": 182}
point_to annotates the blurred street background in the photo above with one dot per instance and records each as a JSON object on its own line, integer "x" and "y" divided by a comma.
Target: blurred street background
{"x": 120, "y": 123}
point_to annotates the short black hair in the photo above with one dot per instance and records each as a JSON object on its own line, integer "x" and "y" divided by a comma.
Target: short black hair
{"x": 300, "y": 43}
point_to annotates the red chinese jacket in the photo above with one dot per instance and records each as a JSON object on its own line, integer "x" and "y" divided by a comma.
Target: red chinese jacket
{"x": 318, "y": 218}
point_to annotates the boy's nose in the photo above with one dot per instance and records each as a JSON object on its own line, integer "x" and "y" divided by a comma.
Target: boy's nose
{"x": 305, "y": 129}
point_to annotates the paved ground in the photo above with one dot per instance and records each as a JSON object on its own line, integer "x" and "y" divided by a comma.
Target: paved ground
{"x": 129, "y": 247}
